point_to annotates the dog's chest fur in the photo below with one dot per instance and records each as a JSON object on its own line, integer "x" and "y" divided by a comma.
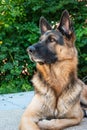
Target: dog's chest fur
{"x": 47, "y": 95}
{"x": 53, "y": 105}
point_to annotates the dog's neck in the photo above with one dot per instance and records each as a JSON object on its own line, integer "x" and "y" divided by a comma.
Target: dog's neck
{"x": 59, "y": 75}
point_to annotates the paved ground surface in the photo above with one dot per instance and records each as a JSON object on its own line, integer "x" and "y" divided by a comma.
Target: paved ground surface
{"x": 12, "y": 107}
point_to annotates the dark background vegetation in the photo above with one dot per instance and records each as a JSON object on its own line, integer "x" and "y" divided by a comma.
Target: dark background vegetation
{"x": 19, "y": 28}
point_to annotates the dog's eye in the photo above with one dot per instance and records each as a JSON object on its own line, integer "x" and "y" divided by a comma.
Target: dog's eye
{"x": 52, "y": 40}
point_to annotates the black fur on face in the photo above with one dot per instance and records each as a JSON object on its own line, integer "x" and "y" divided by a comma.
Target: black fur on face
{"x": 44, "y": 50}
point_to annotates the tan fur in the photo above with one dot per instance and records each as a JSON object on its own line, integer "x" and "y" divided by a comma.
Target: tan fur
{"x": 58, "y": 92}
{"x": 57, "y": 78}
{"x": 54, "y": 99}
{"x": 83, "y": 97}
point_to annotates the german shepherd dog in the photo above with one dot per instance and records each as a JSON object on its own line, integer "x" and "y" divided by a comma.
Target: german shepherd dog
{"x": 58, "y": 91}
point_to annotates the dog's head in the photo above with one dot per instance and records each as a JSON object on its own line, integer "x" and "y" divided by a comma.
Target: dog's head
{"x": 54, "y": 45}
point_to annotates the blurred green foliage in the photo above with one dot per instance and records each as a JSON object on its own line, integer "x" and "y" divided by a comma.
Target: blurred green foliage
{"x": 19, "y": 28}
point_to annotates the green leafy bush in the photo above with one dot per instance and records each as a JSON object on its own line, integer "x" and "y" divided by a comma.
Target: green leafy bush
{"x": 19, "y": 28}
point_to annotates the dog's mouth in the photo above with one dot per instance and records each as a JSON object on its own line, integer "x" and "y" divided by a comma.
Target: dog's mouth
{"x": 35, "y": 59}
{"x": 38, "y": 59}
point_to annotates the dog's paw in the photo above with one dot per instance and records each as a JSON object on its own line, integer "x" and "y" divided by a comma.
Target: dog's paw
{"x": 43, "y": 124}
{"x": 46, "y": 124}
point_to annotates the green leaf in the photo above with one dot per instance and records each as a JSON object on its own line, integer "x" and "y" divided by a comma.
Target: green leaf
{"x": 8, "y": 66}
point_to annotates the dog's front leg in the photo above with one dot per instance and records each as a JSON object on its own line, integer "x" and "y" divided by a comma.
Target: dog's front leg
{"x": 58, "y": 124}
{"x": 48, "y": 124}
{"x": 32, "y": 115}
{"x": 28, "y": 125}
{"x": 74, "y": 117}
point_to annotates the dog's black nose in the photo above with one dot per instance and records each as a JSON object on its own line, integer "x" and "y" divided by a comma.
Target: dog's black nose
{"x": 31, "y": 49}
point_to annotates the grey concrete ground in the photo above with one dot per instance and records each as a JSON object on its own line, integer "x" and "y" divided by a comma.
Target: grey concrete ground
{"x": 12, "y": 107}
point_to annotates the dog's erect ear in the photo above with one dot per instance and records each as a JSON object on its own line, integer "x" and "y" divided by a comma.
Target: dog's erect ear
{"x": 65, "y": 25}
{"x": 44, "y": 25}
